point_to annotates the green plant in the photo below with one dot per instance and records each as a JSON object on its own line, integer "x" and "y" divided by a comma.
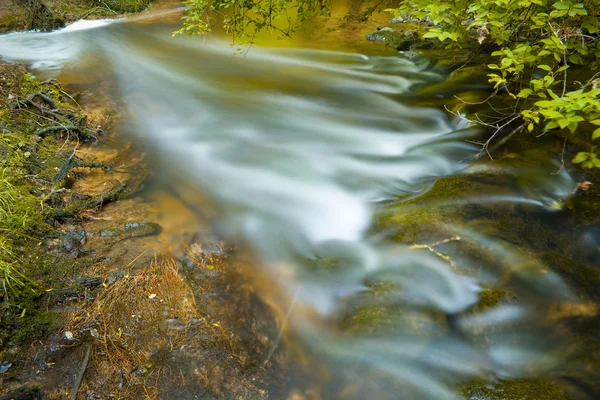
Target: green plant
{"x": 538, "y": 44}
{"x": 245, "y": 19}
{"x": 11, "y": 279}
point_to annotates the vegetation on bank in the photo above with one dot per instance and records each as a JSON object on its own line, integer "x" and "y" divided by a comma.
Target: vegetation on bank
{"x": 545, "y": 54}
{"x": 47, "y": 15}
{"x": 40, "y": 129}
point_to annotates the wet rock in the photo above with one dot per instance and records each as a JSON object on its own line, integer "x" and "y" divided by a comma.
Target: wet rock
{"x": 90, "y": 281}
{"x": 70, "y": 244}
{"x": 78, "y": 234}
{"x": 399, "y": 39}
{"x": 142, "y": 229}
{"x": 109, "y": 232}
{"x": 5, "y": 366}
{"x": 114, "y": 276}
{"x": 133, "y": 230}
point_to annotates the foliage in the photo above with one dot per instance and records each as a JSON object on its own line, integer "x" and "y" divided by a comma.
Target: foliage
{"x": 12, "y": 221}
{"x": 245, "y": 19}
{"x": 538, "y": 45}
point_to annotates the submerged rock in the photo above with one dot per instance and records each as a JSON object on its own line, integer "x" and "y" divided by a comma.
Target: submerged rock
{"x": 399, "y": 39}
{"x": 132, "y": 230}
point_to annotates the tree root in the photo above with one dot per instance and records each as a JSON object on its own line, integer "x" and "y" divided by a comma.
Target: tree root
{"x": 107, "y": 197}
{"x": 74, "y": 209}
{"x": 78, "y": 163}
{"x": 82, "y": 133}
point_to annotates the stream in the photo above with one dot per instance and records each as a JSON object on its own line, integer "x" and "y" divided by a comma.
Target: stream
{"x": 401, "y": 262}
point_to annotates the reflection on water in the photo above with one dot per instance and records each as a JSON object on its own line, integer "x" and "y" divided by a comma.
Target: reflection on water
{"x": 294, "y": 152}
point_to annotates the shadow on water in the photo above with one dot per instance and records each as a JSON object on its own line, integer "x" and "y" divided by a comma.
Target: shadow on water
{"x": 402, "y": 265}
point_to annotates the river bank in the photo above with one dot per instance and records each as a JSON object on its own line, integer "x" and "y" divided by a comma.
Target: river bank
{"x": 103, "y": 295}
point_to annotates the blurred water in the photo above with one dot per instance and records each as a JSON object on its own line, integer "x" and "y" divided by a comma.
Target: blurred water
{"x": 291, "y": 152}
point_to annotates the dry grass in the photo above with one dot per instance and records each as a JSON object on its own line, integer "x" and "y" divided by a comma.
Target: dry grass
{"x": 130, "y": 321}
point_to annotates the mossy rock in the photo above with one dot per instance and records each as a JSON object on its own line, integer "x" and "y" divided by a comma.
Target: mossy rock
{"x": 516, "y": 389}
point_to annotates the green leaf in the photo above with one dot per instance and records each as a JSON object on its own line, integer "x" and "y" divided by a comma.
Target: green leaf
{"x": 524, "y": 93}
{"x": 596, "y": 134}
{"x": 431, "y": 35}
{"x": 580, "y": 157}
{"x": 563, "y": 123}
{"x": 560, "y": 5}
{"x": 545, "y": 67}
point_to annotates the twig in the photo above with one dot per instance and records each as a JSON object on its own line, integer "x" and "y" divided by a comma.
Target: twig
{"x": 283, "y": 324}
{"x": 562, "y": 159}
{"x": 430, "y": 247}
{"x": 479, "y": 102}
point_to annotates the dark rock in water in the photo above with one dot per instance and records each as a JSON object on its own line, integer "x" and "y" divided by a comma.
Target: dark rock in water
{"x": 90, "y": 281}
{"x": 133, "y": 230}
{"x": 109, "y": 232}
{"x": 70, "y": 243}
{"x": 400, "y": 40}
{"x": 141, "y": 229}
{"x": 78, "y": 234}
{"x": 5, "y": 366}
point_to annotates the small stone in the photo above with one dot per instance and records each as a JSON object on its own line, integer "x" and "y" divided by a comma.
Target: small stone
{"x": 114, "y": 276}
{"x": 5, "y": 366}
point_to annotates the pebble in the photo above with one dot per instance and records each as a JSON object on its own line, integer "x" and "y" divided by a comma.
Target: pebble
{"x": 5, "y": 366}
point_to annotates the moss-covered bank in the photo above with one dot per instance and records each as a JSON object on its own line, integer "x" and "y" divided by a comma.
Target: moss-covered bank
{"x": 41, "y": 128}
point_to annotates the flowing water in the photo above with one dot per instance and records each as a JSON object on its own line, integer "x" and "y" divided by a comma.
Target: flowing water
{"x": 321, "y": 162}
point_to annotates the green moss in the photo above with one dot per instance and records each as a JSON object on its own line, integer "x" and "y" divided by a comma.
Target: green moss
{"x": 516, "y": 389}
{"x": 489, "y": 298}
{"x": 30, "y": 198}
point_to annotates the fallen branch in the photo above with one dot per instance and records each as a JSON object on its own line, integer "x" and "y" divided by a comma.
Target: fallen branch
{"x": 86, "y": 360}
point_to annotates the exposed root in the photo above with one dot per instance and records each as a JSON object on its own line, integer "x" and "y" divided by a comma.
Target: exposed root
{"x": 83, "y": 133}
